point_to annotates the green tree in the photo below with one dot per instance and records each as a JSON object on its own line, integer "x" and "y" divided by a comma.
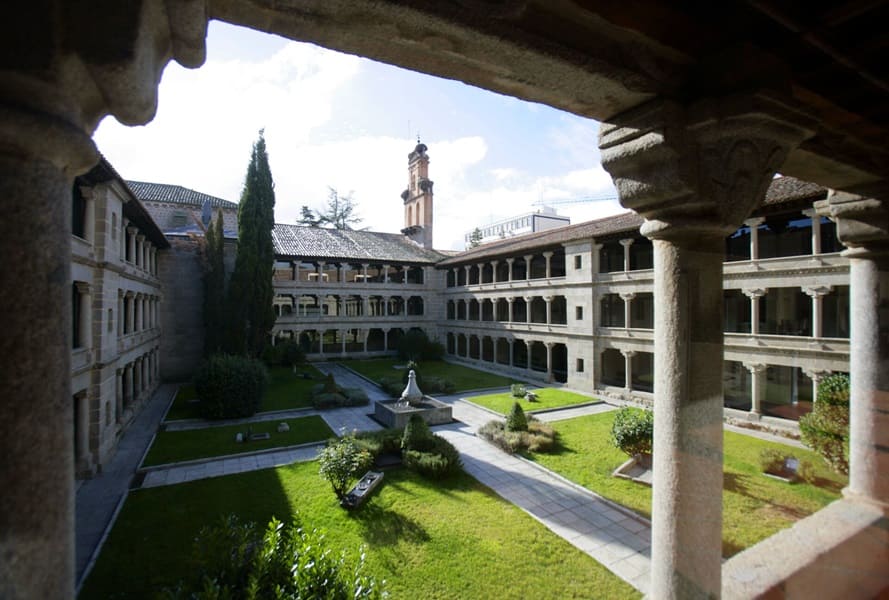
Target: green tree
{"x": 826, "y": 429}
{"x": 516, "y": 419}
{"x": 475, "y": 238}
{"x": 214, "y": 287}
{"x": 308, "y": 217}
{"x": 341, "y": 462}
{"x": 340, "y": 211}
{"x": 251, "y": 315}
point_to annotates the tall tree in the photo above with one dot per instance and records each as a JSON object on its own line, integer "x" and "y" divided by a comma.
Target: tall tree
{"x": 308, "y": 217}
{"x": 340, "y": 211}
{"x": 251, "y": 315}
{"x": 214, "y": 287}
{"x": 475, "y": 238}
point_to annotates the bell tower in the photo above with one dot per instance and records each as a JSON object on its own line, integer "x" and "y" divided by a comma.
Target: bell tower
{"x": 418, "y": 197}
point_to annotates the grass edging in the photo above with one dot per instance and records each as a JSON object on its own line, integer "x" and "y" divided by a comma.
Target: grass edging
{"x": 94, "y": 555}
{"x": 271, "y": 414}
{"x": 200, "y": 461}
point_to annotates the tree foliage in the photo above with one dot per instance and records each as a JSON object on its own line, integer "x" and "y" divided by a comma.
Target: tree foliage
{"x": 251, "y": 315}
{"x": 230, "y": 387}
{"x": 342, "y": 461}
{"x": 236, "y": 560}
{"x": 826, "y": 429}
{"x": 339, "y": 213}
{"x": 214, "y": 287}
{"x": 633, "y": 431}
{"x": 475, "y": 238}
{"x": 308, "y": 217}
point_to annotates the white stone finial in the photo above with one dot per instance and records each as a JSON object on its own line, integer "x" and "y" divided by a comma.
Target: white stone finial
{"x": 412, "y": 393}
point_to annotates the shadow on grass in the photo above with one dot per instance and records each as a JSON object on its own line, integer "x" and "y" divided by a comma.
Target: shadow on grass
{"x": 736, "y": 483}
{"x": 384, "y": 527}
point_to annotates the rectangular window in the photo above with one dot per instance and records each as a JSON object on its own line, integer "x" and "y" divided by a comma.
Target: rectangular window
{"x": 579, "y": 368}
{"x": 578, "y": 261}
{"x": 578, "y": 313}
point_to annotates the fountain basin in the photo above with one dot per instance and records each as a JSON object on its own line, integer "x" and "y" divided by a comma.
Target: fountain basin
{"x": 395, "y": 414}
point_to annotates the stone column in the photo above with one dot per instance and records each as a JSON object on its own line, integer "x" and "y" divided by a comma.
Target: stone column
{"x": 511, "y": 352}
{"x": 626, "y": 243}
{"x": 757, "y": 386}
{"x": 466, "y": 273}
{"x": 754, "y": 296}
{"x": 528, "y": 300}
{"x": 342, "y": 334}
{"x": 131, "y": 239}
{"x": 862, "y": 227}
{"x": 528, "y": 259}
{"x": 509, "y": 262}
{"x": 341, "y": 273}
{"x": 694, "y": 173}
{"x": 628, "y": 305}
{"x": 139, "y": 257}
{"x": 319, "y": 270}
{"x": 528, "y": 345}
{"x": 122, "y": 243}
{"x": 549, "y": 309}
{"x": 146, "y": 255}
{"x": 118, "y": 395}
{"x": 817, "y": 295}
{"x": 295, "y": 270}
{"x": 364, "y": 334}
{"x": 385, "y": 273}
{"x": 494, "y": 271}
{"x": 481, "y": 278}
{"x": 548, "y": 256}
{"x": 549, "y": 361}
{"x": 154, "y": 260}
{"x": 754, "y": 224}
{"x": 509, "y": 302}
{"x": 454, "y": 275}
{"x": 129, "y": 299}
{"x": 595, "y": 263}
{"x": 628, "y": 369}
{"x": 365, "y": 302}
{"x": 816, "y": 375}
{"x": 386, "y": 339}
{"x": 86, "y": 310}
{"x": 816, "y": 230}
{"x": 128, "y": 390}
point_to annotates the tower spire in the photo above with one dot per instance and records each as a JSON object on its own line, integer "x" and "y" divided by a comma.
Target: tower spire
{"x": 418, "y": 197}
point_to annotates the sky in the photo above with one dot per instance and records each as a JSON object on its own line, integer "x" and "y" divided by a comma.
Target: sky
{"x": 334, "y": 120}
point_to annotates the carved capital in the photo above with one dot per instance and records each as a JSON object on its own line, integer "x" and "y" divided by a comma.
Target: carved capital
{"x": 699, "y": 169}
{"x": 627, "y": 295}
{"x": 626, "y": 242}
{"x": 862, "y": 223}
{"x": 755, "y": 293}
{"x": 817, "y": 291}
{"x": 755, "y": 368}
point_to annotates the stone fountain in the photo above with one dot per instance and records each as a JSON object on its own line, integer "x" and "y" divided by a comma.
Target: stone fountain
{"x": 396, "y": 413}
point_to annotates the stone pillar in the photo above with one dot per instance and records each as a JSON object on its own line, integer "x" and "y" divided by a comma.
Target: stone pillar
{"x": 595, "y": 263}
{"x": 549, "y": 361}
{"x": 118, "y": 395}
{"x": 626, "y": 243}
{"x": 385, "y": 273}
{"x": 154, "y": 260}
{"x": 122, "y": 243}
{"x": 131, "y": 239}
{"x": 319, "y": 270}
{"x": 548, "y": 256}
{"x": 816, "y": 375}
{"x": 757, "y": 386}
{"x": 466, "y": 273}
{"x": 295, "y": 270}
{"x": 84, "y": 325}
{"x": 754, "y": 296}
{"x": 528, "y": 300}
{"x": 481, "y": 278}
{"x": 816, "y": 230}
{"x": 146, "y": 255}
{"x": 528, "y": 259}
{"x": 754, "y": 224}
{"x": 628, "y": 369}
{"x": 385, "y": 339}
{"x": 139, "y": 256}
{"x": 862, "y": 227}
{"x": 511, "y": 352}
{"x": 628, "y": 305}
{"x": 342, "y": 334}
{"x": 549, "y": 309}
{"x": 129, "y": 298}
{"x": 364, "y": 267}
{"x": 494, "y": 271}
{"x": 341, "y": 273}
{"x": 528, "y": 345}
{"x": 365, "y": 302}
{"x": 509, "y": 262}
{"x": 817, "y": 294}
{"x": 364, "y": 335}
{"x": 718, "y": 157}
{"x": 509, "y": 302}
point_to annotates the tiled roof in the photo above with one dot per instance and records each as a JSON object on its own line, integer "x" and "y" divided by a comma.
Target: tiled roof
{"x": 627, "y": 221}
{"x": 371, "y": 246}
{"x": 175, "y": 194}
{"x": 787, "y": 189}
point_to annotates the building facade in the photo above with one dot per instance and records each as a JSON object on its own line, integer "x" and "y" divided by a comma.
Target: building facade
{"x": 532, "y": 222}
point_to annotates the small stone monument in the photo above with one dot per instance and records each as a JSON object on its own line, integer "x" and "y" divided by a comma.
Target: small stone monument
{"x": 283, "y": 427}
{"x": 412, "y": 394}
{"x": 396, "y": 413}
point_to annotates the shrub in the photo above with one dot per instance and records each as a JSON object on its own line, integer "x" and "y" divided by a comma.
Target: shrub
{"x": 342, "y": 461}
{"x": 291, "y": 354}
{"x": 355, "y": 396}
{"x": 391, "y": 386}
{"x": 438, "y": 385}
{"x": 271, "y": 355}
{"x": 416, "y": 435}
{"x": 519, "y": 390}
{"x": 826, "y": 429}
{"x": 384, "y": 441}
{"x": 633, "y": 430}
{"x": 230, "y": 386}
{"x": 439, "y": 460}
{"x": 806, "y": 471}
{"x": 329, "y": 385}
{"x": 324, "y": 400}
{"x": 236, "y": 560}
{"x": 540, "y": 437}
{"x": 771, "y": 460}
{"x": 415, "y": 345}
{"x": 516, "y": 419}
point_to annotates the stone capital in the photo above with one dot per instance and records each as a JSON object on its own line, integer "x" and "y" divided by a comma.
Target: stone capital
{"x": 628, "y": 295}
{"x": 755, "y": 368}
{"x": 699, "y": 170}
{"x": 528, "y": 299}
{"x": 628, "y": 353}
{"x": 754, "y": 221}
{"x": 548, "y": 254}
{"x": 862, "y": 223}
{"x": 528, "y": 257}
{"x": 755, "y": 293}
{"x": 509, "y": 261}
{"x": 548, "y": 299}
{"x": 82, "y": 287}
{"x": 625, "y": 242}
{"x": 818, "y": 291}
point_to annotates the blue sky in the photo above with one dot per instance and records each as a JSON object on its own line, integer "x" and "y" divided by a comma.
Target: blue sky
{"x": 337, "y": 120}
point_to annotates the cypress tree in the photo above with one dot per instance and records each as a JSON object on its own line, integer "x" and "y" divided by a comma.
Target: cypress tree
{"x": 251, "y": 315}
{"x": 214, "y": 287}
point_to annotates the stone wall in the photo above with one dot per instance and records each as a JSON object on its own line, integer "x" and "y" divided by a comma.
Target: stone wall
{"x": 182, "y": 315}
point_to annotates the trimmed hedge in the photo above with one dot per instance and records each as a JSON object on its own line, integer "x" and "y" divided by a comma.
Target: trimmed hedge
{"x": 539, "y": 437}
{"x": 230, "y": 387}
{"x": 440, "y": 459}
{"x": 826, "y": 429}
{"x": 633, "y": 430}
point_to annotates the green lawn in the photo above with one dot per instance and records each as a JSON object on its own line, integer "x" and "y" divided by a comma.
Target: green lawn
{"x": 546, "y": 398}
{"x": 174, "y": 446}
{"x": 464, "y": 378}
{"x": 287, "y": 390}
{"x": 754, "y": 506}
{"x": 452, "y": 539}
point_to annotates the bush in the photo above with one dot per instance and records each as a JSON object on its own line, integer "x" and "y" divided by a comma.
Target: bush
{"x": 516, "y": 419}
{"x": 633, "y": 430}
{"x": 415, "y": 345}
{"x": 519, "y": 390}
{"x": 540, "y": 437}
{"x": 438, "y": 385}
{"x": 826, "y": 429}
{"x": 806, "y": 471}
{"x": 438, "y": 461}
{"x": 236, "y": 560}
{"x": 384, "y": 441}
{"x": 230, "y": 387}
{"x": 291, "y": 354}
{"x": 771, "y": 460}
{"x": 416, "y": 435}
{"x": 342, "y": 461}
